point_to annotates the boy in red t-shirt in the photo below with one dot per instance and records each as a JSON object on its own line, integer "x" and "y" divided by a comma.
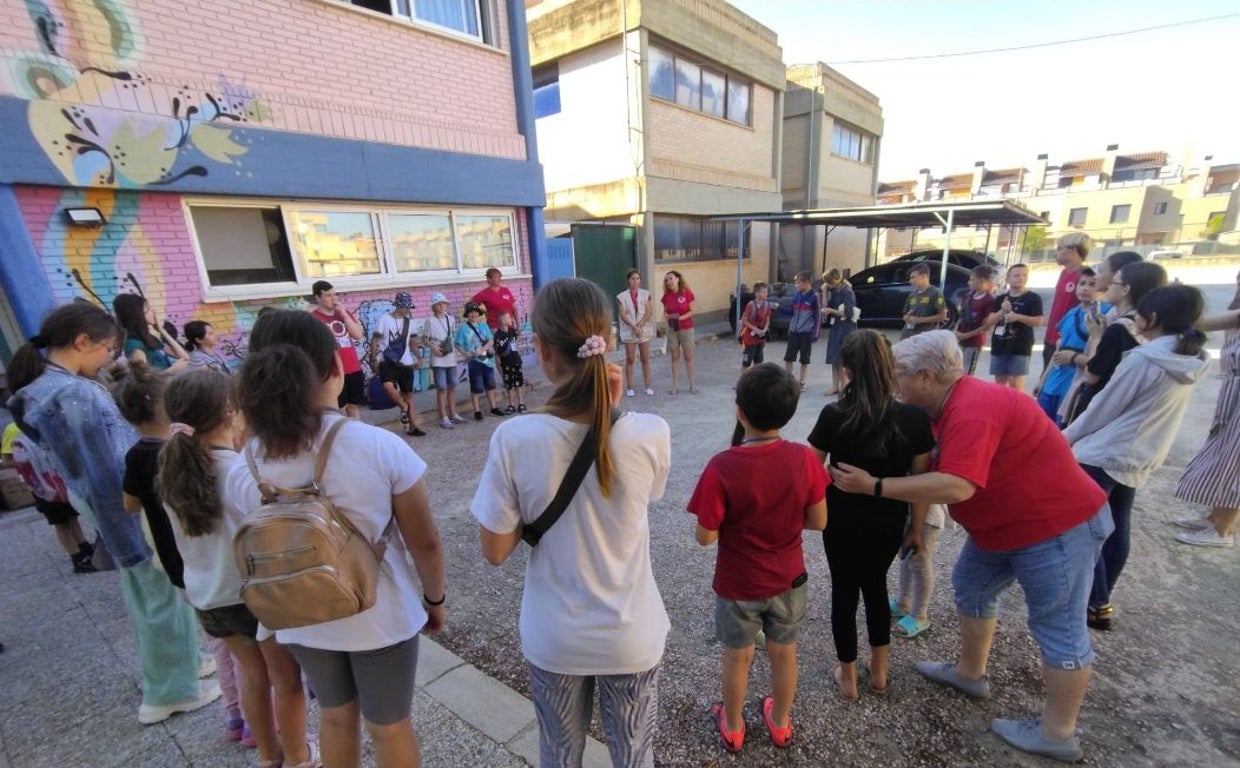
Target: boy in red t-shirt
{"x": 760, "y": 569}
{"x": 754, "y": 325}
{"x": 976, "y": 306}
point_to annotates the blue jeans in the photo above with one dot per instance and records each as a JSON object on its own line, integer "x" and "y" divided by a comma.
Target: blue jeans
{"x": 1054, "y": 575}
{"x": 1115, "y": 551}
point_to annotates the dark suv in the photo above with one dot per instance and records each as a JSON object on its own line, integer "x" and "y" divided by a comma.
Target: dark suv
{"x": 882, "y": 290}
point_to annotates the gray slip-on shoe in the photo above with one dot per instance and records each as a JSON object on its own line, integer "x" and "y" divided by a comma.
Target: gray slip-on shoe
{"x": 1027, "y": 736}
{"x": 944, "y": 672}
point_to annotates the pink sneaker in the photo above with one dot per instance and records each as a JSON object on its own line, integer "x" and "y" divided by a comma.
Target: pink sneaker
{"x": 234, "y": 728}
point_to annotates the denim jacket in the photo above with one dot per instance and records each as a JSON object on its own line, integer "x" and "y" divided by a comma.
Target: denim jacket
{"x": 76, "y": 421}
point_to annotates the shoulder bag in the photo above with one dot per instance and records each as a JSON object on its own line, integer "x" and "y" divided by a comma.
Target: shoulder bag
{"x": 577, "y": 469}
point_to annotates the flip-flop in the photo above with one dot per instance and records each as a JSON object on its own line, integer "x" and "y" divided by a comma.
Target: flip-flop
{"x": 910, "y": 627}
{"x": 836, "y": 674}
{"x": 733, "y": 741}
{"x": 893, "y": 605}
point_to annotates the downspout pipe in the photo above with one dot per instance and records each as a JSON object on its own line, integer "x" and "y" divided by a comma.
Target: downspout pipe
{"x": 523, "y": 92}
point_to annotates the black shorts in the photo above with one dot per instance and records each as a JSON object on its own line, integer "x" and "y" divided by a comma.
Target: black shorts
{"x": 354, "y": 392}
{"x": 801, "y": 343}
{"x": 752, "y": 354}
{"x": 228, "y": 620}
{"x": 56, "y": 512}
{"x": 400, "y": 375}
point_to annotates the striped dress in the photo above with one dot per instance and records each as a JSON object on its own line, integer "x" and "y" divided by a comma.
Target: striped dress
{"x": 1212, "y": 478}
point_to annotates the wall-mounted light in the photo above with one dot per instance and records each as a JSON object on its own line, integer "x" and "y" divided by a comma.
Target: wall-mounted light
{"x": 84, "y": 217}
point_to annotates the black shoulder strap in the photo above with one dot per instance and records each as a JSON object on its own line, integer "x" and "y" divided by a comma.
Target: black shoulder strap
{"x": 577, "y": 469}
{"x": 404, "y": 330}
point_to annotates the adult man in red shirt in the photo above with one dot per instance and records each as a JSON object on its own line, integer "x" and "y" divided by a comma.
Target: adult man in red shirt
{"x": 347, "y": 330}
{"x": 1070, "y": 252}
{"x": 497, "y": 299}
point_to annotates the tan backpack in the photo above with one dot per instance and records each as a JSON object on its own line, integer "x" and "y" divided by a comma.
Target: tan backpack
{"x": 301, "y": 561}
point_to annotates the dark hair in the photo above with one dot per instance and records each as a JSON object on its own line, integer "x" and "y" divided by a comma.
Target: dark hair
{"x": 290, "y": 354}
{"x": 58, "y": 330}
{"x": 1141, "y": 277}
{"x": 1088, "y": 272}
{"x": 202, "y": 399}
{"x": 320, "y": 287}
{"x": 195, "y": 331}
{"x": 758, "y": 286}
{"x": 1175, "y": 309}
{"x": 680, "y": 280}
{"x": 139, "y": 393}
{"x": 1019, "y": 265}
{"x": 566, "y": 313}
{"x": 868, "y": 399}
{"x": 768, "y": 396}
{"x": 919, "y": 269}
{"x": 632, "y": 272}
{"x": 494, "y": 271}
{"x": 983, "y": 272}
{"x": 803, "y": 277}
{"x": 130, "y": 310}
{"x": 1121, "y": 259}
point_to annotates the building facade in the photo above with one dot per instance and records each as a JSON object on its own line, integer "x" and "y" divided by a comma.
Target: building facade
{"x": 660, "y": 114}
{"x": 221, "y": 157}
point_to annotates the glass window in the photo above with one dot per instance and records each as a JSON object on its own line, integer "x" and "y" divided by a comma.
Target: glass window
{"x": 714, "y": 93}
{"x": 421, "y": 242}
{"x": 242, "y": 246}
{"x": 1160, "y": 208}
{"x": 688, "y": 84}
{"x": 738, "y": 101}
{"x": 1076, "y": 217}
{"x": 458, "y": 15}
{"x": 688, "y": 238}
{"x": 546, "y": 91}
{"x": 1119, "y": 213}
{"x": 485, "y": 241}
{"x": 662, "y": 73}
{"x": 335, "y": 243}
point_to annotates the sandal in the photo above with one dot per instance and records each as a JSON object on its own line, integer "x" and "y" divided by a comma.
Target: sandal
{"x": 673, "y": 391}
{"x": 415, "y": 432}
{"x": 780, "y": 737}
{"x": 510, "y": 409}
{"x": 893, "y": 605}
{"x": 1100, "y": 618}
{"x": 733, "y": 741}
{"x": 693, "y": 391}
{"x": 910, "y": 627}
{"x": 521, "y": 408}
{"x": 404, "y": 415}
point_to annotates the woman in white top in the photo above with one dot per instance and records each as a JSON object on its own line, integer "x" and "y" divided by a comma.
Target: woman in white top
{"x": 193, "y": 465}
{"x": 365, "y": 663}
{"x": 591, "y": 613}
{"x": 636, "y": 328}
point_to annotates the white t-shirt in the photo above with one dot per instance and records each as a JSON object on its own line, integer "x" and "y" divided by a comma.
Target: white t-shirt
{"x": 367, "y": 467}
{"x": 590, "y": 605}
{"x": 211, "y": 576}
{"x": 438, "y": 329}
{"x": 389, "y": 329}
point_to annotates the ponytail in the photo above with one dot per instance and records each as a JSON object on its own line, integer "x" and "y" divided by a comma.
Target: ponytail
{"x": 199, "y": 401}
{"x": 139, "y": 394}
{"x": 278, "y": 394}
{"x": 1174, "y": 310}
{"x": 59, "y": 329}
{"x": 1189, "y": 342}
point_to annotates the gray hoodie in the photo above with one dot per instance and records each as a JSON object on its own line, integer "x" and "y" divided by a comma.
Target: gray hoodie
{"x": 1129, "y": 426}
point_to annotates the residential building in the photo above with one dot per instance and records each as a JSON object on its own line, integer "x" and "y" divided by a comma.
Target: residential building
{"x": 1144, "y": 201}
{"x": 660, "y": 114}
{"x": 220, "y": 157}
{"x": 832, "y": 135}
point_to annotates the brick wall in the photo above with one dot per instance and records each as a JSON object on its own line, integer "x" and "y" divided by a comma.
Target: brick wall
{"x": 681, "y": 136}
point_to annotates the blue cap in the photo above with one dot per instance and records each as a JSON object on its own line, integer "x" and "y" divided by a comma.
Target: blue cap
{"x": 403, "y": 300}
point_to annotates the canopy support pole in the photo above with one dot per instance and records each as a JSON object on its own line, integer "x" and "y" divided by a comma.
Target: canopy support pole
{"x": 947, "y": 247}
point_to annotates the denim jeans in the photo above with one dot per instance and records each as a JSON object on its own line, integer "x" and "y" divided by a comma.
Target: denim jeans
{"x": 1115, "y": 551}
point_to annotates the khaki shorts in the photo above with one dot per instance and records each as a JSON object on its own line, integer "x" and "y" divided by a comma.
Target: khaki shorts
{"x": 678, "y": 339}
{"x": 737, "y": 621}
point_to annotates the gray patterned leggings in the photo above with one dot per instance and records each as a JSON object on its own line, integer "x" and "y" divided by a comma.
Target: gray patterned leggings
{"x": 628, "y": 706}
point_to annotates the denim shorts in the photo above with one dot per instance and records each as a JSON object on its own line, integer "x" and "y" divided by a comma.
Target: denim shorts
{"x": 481, "y": 377}
{"x": 1009, "y": 365}
{"x": 737, "y": 621}
{"x": 1055, "y": 575}
{"x": 445, "y": 376}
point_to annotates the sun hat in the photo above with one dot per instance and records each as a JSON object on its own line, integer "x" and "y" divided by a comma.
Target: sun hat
{"x": 438, "y": 298}
{"x": 403, "y": 300}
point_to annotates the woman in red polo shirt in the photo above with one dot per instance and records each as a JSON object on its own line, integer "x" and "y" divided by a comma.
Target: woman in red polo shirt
{"x": 1033, "y": 516}
{"x": 678, "y": 310}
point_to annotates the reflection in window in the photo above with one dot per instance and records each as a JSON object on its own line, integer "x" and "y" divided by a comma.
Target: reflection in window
{"x": 688, "y": 84}
{"x": 738, "y": 101}
{"x": 674, "y": 78}
{"x": 335, "y": 243}
{"x": 662, "y": 74}
{"x": 547, "y": 91}
{"x": 714, "y": 93}
{"x": 689, "y": 238}
{"x": 242, "y": 245}
{"x": 421, "y": 242}
{"x": 485, "y": 241}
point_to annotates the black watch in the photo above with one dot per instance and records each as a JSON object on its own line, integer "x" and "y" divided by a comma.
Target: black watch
{"x": 878, "y": 487}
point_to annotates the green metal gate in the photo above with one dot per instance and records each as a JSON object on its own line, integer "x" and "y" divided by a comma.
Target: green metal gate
{"x": 604, "y": 253}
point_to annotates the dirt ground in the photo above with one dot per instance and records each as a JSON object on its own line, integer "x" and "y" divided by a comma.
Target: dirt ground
{"x": 1165, "y": 690}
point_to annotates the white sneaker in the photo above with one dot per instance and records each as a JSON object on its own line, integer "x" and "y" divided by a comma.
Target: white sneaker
{"x": 1206, "y": 538}
{"x": 457, "y": 418}
{"x": 649, "y": 392}
{"x": 446, "y": 423}
{"x": 149, "y": 714}
{"x": 1192, "y": 522}
{"x": 630, "y": 393}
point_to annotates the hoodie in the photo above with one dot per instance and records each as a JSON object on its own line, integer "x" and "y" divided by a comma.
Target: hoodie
{"x": 1129, "y": 426}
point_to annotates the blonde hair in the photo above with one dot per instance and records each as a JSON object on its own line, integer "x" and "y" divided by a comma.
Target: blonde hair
{"x": 1078, "y": 241}
{"x": 833, "y": 277}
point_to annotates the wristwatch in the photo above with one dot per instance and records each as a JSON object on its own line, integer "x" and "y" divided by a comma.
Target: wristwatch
{"x": 878, "y": 487}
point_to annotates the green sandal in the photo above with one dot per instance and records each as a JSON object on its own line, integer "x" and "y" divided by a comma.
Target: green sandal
{"x": 910, "y": 627}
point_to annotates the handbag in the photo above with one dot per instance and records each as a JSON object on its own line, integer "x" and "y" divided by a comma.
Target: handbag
{"x": 394, "y": 352}
{"x": 577, "y": 469}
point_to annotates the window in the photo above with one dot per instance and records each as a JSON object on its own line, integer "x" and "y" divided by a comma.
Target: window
{"x": 484, "y": 241}
{"x": 852, "y": 143}
{"x": 1119, "y": 213}
{"x": 1076, "y": 217}
{"x": 1138, "y": 175}
{"x": 1160, "y": 209}
{"x": 687, "y": 238}
{"x": 241, "y": 246}
{"x": 335, "y": 243}
{"x": 422, "y": 242}
{"x": 547, "y": 91}
{"x": 689, "y": 84}
{"x": 461, "y": 16}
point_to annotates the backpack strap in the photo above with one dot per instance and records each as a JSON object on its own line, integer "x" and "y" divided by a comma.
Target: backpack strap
{"x": 320, "y": 462}
{"x": 576, "y": 473}
{"x": 269, "y": 491}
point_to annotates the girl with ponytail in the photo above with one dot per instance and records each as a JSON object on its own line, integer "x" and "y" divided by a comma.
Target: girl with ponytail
{"x": 591, "y": 613}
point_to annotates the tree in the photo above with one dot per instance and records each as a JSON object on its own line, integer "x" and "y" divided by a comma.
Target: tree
{"x": 1033, "y": 241}
{"x": 1214, "y": 226}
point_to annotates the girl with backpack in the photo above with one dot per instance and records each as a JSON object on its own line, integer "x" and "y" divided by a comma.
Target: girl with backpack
{"x": 192, "y": 467}
{"x": 363, "y": 663}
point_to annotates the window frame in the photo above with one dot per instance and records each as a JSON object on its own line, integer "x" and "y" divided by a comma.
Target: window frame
{"x": 486, "y": 33}
{"x": 1084, "y": 216}
{"x": 703, "y": 66}
{"x": 700, "y": 223}
{"x": 1160, "y": 209}
{"x": 1120, "y": 208}
{"x": 862, "y": 140}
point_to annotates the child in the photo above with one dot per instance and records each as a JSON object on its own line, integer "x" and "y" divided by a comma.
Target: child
{"x": 438, "y": 331}
{"x": 1073, "y": 337}
{"x": 510, "y": 362}
{"x": 1019, "y": 312}
{"x": 194, "y": 464}
{"x": 840, "y": 309}
{"x": 924, "y": 309}
{"x": 911, "y": 607}
{"x": 755, "y": 322}
{"x": 804, "y": 327}
{"x": 475, "y": 342}
{"x": 51, "y": 499}
{"x": 760, "y": 569}
{"x": 975, "y": 308}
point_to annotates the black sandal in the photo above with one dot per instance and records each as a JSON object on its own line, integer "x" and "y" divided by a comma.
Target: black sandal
{"x": 510, "y": 409}
{"x": 404, "y": 415}
{"x": 416, "y": 432}
{"x": 521, "y": 408}
{"x": 1099, "y": 618}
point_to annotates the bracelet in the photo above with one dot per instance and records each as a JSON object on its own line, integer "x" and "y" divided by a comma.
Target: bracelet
{"x": 878, "y": 487}
{"x": 433, "y": 603}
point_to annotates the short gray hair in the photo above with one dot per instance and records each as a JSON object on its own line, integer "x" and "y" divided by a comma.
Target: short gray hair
{"x": 937, "y": 352}
{"x": 1078, "y": 241}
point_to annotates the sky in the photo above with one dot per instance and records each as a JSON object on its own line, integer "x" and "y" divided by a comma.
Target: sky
{"x": 1172, "y": 89}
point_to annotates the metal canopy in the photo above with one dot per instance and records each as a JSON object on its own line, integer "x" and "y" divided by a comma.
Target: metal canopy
{"x": 973, "y": 213}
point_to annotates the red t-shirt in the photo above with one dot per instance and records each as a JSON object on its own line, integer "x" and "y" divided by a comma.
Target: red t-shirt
{"x": 498, "y": 301}
{"x": 974, "y": 310}
{"x": 756, "y": 317}
{"x": 756, "y": 498}
{"x": 1029, "y": 486}
{"x": 679, "y": 303}
{"x": 1065, "y": 299}
{"x": 348, "y": 352}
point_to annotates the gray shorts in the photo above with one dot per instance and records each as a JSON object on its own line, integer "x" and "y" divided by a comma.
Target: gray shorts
{"x": 228, "y": 621}
{"x": 737, "y": 621}
{"x": 381, "y": 680}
